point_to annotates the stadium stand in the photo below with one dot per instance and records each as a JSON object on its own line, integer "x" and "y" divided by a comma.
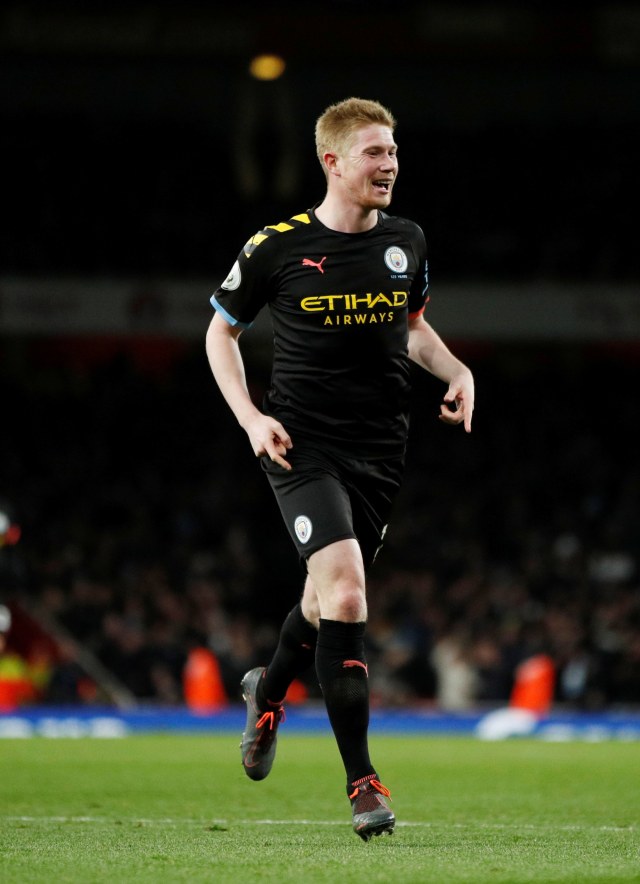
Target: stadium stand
{"x": 133, "y": 488}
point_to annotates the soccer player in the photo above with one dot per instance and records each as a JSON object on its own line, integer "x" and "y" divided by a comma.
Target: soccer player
{"x": 346, "y": 286}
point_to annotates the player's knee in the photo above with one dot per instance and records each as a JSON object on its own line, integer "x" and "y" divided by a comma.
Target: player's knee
{"x": 349, "y": 602}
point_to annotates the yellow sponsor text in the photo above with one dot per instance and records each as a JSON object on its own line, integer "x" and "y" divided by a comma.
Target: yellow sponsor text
{"x": 353, "y": 302}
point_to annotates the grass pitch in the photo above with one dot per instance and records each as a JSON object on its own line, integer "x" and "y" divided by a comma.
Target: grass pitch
{"x": 179, "y": 808}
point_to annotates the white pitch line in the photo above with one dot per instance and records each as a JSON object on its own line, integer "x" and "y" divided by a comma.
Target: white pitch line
{"x": 304, "y": 822}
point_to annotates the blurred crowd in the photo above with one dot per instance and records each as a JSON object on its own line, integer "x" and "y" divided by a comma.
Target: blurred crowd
{"x": 148, "y": 531}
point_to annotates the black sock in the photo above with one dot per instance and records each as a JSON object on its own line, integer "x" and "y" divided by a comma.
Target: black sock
{"x": 295, "y": 653}
{"x": 342, "y": 672}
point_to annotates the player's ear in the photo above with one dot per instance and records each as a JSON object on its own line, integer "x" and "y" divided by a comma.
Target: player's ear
{"x": 331, "y": 163}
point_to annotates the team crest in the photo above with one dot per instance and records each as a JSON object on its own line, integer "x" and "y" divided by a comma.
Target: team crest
{"x": 232, "y": 281}
{"x": 395, "y": 259}
{"x": 303, "y": 528}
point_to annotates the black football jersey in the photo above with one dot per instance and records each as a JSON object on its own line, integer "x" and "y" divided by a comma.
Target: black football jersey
{"x": 339, "y": 305}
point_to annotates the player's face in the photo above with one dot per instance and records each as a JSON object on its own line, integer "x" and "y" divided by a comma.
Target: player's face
{"x": 370, "y": 166}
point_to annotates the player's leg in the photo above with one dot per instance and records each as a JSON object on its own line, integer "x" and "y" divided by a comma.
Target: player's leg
{"x": 294, "y": 654}
{"x": 336, "y": 586}
{"x": 264, "y": 690}
{"x": 336, "y": 576}
{"x": 296, "y": 647}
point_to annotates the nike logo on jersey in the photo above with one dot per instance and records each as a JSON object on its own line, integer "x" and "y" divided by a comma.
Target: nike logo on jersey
{"x": 307, "y": 262}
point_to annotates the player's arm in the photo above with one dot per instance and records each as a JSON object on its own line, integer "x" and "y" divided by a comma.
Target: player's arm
{"x": 266, "y": 435}
{"x": 428, "y": 350}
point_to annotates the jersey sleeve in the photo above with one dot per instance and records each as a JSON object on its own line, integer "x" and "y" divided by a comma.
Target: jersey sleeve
{"x": 419, "y": 292}
{"x": 246, "y": 289}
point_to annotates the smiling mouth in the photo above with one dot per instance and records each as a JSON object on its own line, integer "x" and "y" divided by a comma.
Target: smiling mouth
{"x": 383, "y": 185}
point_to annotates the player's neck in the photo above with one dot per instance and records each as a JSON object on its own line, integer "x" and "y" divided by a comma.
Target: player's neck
{"x": 345, "y": 218}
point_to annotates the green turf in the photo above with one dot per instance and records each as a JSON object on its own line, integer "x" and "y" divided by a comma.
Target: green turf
{"x": 179, "y": 808}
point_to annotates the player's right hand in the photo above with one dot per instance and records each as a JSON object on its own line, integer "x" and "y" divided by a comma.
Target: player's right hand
{"x": 268, "y": 437}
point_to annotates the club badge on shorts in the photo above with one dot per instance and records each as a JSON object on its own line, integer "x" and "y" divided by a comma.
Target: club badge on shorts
{"x": 303, "y": 528}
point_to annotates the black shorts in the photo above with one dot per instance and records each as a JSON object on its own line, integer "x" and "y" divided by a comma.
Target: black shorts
{"x": 326, "y": 497}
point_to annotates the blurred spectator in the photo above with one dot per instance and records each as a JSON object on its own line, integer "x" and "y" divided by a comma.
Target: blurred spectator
{"x": 68, "y": 684}
{"x": 457, "y": 684}
{"x": 17, "y": 685}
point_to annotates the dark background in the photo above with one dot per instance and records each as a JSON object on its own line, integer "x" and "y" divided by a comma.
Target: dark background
{"x": 122, "y": 123}
{"x": 135, "y": 145}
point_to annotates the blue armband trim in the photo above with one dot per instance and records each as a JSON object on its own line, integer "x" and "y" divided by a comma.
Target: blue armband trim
{"x": 230, "y": 319}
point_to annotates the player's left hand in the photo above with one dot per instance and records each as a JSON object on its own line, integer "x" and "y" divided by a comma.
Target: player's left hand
{"x": 458, "y": 402}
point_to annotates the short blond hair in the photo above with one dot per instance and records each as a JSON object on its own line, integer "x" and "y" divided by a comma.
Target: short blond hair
{"x": 337, "y": 124}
